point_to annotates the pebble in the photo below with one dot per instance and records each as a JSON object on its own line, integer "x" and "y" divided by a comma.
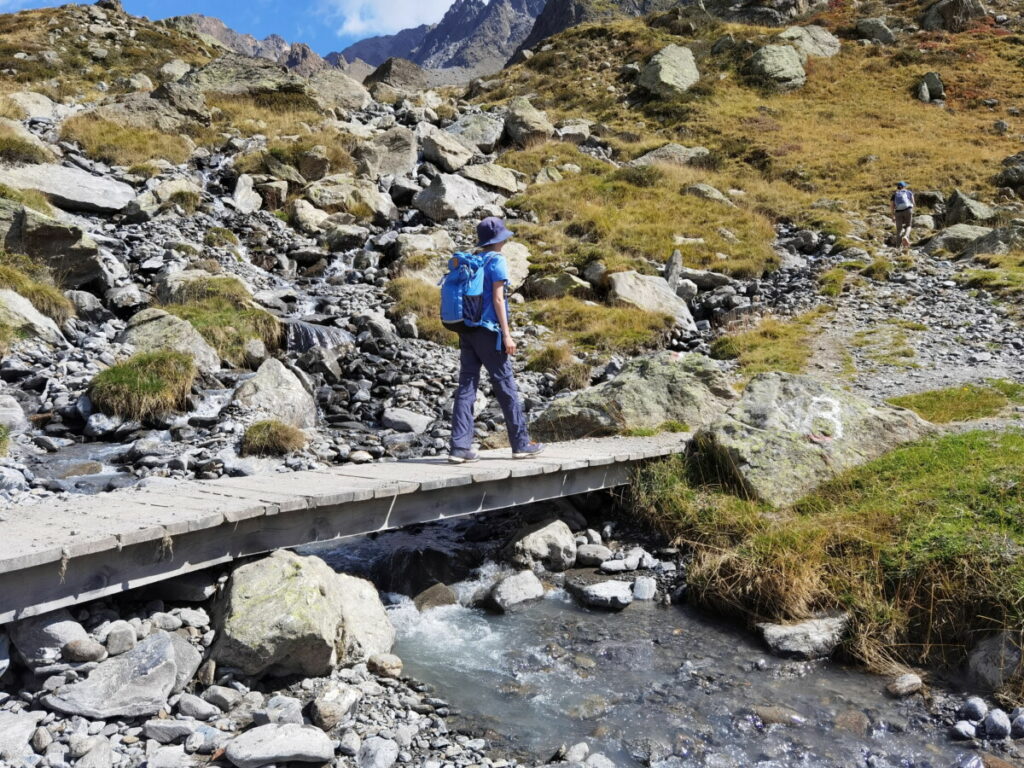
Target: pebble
{"x": 974, "y": 709}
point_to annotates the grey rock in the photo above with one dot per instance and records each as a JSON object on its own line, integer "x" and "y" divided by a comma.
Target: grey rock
{"x": 670, "y": 72}
{"x": 645, "y": 588}
{"x": 707, "y": 192}
{"x": 963, "y": 731}
{"x": 494, "y": 177}
{"x": 936, "y": 88}
{"x": 672, "y": 154}
{"x": 193, "y": 706}
{"x": 333, "y": 89}
{"x": 649, "y": 391}
{"x": 778, "y": 66}
{"x": 121, "y": 638}
{"x": 100, "y": 756}
{"x": 222, "y": 697}
{"x": 994, "y": 661}
{"x": 153, "y": 330}
{"x": 84, "y": 650}
{"x": 526, "y": 124}
{"x": 134, "y": 684}
{"x": 953, "y": 15}
{"x": 651, "y": 294}
{"x": 335, "y": 706}
{"x": 245, "y": 198}
{"x": 238, "y": 75}
{"x": 392, "y": 153}
{"x": 516, "y": 589}
{"x": 592, "y": 555}
{"x": 963, "y": 209}
{"x": 271, "y": 744}
{"x": 997, "y": 725}
{"x": 483, "y": 130}
{"x": 349, "y": 744}
{"x": 813, "y": 639}
{"x": 279, "y": 710}
{"x": 16, "y": 729}
{"x": 404, "y": 420}
{"x": 446, "y": 151}
{"x": 1017, "y": 727}
{"x": 606, "y": 595}
{"x": 168, "y": 731}
{"x": 39, "y": 640}
{"x": 974, "y": 709}
{"x": 377, "y": 752}
{"x": 450, "y": 197}
{"x": 17, "y": 312}
{"x": 790, "y": 433}
{"x": 550, "y": 544}
{"x": 277, "y": 393}
{"x": 812, "y": 40}
{"x": 954, "y": 239}
{"x": 385, "y": 665}
{"x": 997, "y": 242}
{"x": 876, "y": 29}
{"x": 905, "y": 685}
{"x": 70, "y": 188}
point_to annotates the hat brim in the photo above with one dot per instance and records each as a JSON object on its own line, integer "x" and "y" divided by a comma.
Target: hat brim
{"x": 500, "y": 238}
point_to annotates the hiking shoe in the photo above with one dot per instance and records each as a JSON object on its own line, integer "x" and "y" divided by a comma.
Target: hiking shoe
{"x": 460, "y": 456}
{"x": 533, "y": 449}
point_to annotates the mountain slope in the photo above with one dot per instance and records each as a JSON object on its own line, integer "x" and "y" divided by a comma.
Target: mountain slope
{"x": 377, "y": 50}
{"x": 272, "y": 47}
{"x": 559, "y": 15}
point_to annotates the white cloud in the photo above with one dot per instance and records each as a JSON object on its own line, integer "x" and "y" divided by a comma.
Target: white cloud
{"x": 380, "y": 17}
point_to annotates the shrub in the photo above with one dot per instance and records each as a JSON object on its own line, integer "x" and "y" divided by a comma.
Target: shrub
{"x": 186, "y": 199}
{"x": 272, "y": 438}
{"x": 5, "y": 439}
{"x": 123, "y": 144}
{"x": 831, "y": 282}
{"x": 916, "y": 546}
{"x": 416, "y": 297}
{"x": 14, "y": 149}
{"x": 145, "y": 385}
{"x": 21, "y": 276}
{"x": 640, "y": 176}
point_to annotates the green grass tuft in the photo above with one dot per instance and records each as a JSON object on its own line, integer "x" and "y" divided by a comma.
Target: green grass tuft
{"x": 921, "y": 546}
{"x": 832, "y": 282}
{"x": 32, "y": 198}
{"x": 220, "y": 237}
{"x": 272, "y": 438}
{"x": 228, "y": 325}
{"x": 773, "y": 345}
{"x": 145, "y": 385}
{"x": 963, "y": 403}
{"x": 14, "y": 149}
{"x": 593, "y": 328}
{"x": 19, "y": 274}
{"x": 416, "y": 297}
{"x": 5, "y": 439}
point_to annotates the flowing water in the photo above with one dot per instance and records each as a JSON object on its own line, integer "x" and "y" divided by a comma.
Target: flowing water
{"x": 659, "y": 685}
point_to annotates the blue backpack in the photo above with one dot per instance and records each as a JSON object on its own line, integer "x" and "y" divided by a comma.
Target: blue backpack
{"x": 462, "y": 290}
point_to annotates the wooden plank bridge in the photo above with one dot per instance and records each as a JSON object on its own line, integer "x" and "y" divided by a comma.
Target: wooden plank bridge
{"x": 60, "y": 553}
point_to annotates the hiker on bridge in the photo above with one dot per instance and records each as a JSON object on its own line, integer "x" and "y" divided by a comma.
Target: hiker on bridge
{"x": 473, "y": 305}
{"x": 902, "y": 204}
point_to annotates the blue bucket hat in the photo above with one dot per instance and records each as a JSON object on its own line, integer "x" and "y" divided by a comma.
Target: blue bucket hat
{"x": 901, "y": 184}
{"x": 492, "y": 231}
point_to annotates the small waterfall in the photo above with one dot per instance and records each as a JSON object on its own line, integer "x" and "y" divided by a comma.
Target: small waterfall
{"x": 303, "y": 336}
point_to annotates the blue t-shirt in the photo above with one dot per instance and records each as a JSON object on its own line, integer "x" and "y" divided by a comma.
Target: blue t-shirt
{"x": 495, "y": 271}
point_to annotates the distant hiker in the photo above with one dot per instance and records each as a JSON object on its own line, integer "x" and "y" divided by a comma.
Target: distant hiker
{"x": 902, "y": 202}
{"x": 473, "y": 305}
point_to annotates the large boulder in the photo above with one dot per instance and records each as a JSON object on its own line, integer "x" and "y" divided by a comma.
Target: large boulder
{"x": 953, "y": 15}
{"x": 790, "y": 433}
{"x": 954, "y": 239}
{"x": 140, "y": 110}
{"x": 447, "y": 152}
{"x": 287, "y": 614}
{"x": 516, "y": 589}
{"x": 400, "y": 74}
{"x": 812, "y": 40}
{"x": 61, "y": 245}
{"x": 494, "y": 177}
{"x": 16, "y": 729}
{"x": 995, "y": 661}
{"x": 876, "y": 29}
{"x": 526, "y": 124}
{"x": 672, "y": 154}
{"x": 37, "y": 105}
{"x": 812, "y": 639}
{"x": 70, "y": 188}
{"x": 670, "y": 72}
{"x": 238, "y": 75}
{"x": 392, "y": 153}
{"x": 548, "y": 544}
{"x": 276, "y": 393}
{"x": 482, "y": 130}
{"x": 648, "y": 392}
{"x": 17, "y": 312}
{"x": 361, "y": 198}
{"x": 1012, "y": 175}
{"x": 778, "y": 66}
{"x": 39, "y": 640}
{"x": 333, "y": 89}
{"x": 963, "y": 209}
{"x": 275, "y": 744}
{"x": 651, "y": 294}
{"x": 998, "y": 242}
{"x": 133, "y": 684}
{"x": 451, "y": 197}
{"x": 153, "y": 330}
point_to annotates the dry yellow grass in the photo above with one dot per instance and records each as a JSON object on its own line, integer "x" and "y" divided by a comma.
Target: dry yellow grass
{"x": 273, "y": 115}
{"x": 122, "y": 144}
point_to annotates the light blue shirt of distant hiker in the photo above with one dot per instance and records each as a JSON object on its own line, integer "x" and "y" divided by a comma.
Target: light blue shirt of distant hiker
{"x": 495, "y": 271}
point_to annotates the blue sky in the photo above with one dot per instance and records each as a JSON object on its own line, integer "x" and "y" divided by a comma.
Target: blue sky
{"x": 326, "y": 25}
